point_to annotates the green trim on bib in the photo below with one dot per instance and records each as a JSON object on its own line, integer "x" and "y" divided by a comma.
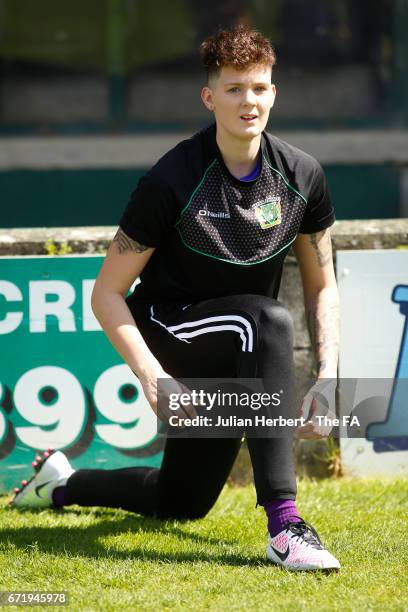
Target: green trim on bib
{"x": 284, "y": 179}
{"x": 237, "y": 263}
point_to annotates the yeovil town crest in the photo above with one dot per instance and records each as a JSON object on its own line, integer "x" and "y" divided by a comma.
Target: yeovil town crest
{"x": 269, "y": 213}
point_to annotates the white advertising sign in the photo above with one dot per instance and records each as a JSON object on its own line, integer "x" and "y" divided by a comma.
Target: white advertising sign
{"x": 374, "y": 346}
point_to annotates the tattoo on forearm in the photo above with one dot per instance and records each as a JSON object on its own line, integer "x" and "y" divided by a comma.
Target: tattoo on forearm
{"x": 322, "y": 245}
{"x": 126, "y": 244}
{"x": 323, "y": 320}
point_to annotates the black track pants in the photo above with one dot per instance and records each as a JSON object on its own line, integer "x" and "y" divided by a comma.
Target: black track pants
{"x": 230, "y": 337}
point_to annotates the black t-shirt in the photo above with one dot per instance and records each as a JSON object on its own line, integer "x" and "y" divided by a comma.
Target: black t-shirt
{"x": 216, "y": 235}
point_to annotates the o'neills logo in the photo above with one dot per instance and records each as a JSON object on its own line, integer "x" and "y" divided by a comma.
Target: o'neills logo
{"x": 217, "y": 215}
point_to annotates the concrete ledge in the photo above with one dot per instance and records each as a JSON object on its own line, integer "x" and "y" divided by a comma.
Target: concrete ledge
{"x": 364, "y": 234}
{"x": 141, "y": 151}
{"x": 370, "y": 234}
{"x": 32, "y": 241}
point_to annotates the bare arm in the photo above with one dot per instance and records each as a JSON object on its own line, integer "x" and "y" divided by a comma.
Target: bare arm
{"x": 124, "y": 262}
{"x": 314, "y": 255}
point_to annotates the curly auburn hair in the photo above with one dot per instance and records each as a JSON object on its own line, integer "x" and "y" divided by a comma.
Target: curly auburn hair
{"x": 239, "y": 47}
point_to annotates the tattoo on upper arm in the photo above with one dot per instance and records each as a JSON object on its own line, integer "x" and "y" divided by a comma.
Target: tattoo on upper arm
{"x": 322, "y": 245}
{"x": 126, "y": 244}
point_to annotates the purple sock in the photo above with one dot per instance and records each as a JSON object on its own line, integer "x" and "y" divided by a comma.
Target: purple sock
{"x": 280, "y": 512}
{"x": 59, "y": 497}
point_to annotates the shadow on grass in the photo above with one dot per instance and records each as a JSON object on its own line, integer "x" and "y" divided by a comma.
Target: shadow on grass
{"x": 83, "y": 541}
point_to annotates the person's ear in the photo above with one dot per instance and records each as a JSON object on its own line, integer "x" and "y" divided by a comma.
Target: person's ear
{"x": 273, "y": 94}
{"x": 207, "y": 98}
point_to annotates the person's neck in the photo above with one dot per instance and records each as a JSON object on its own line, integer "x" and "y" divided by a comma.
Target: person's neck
{"x": 240, "y": 156}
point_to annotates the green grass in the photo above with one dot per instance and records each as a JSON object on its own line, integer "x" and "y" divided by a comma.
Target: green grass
{"x": 111, "y": 559}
